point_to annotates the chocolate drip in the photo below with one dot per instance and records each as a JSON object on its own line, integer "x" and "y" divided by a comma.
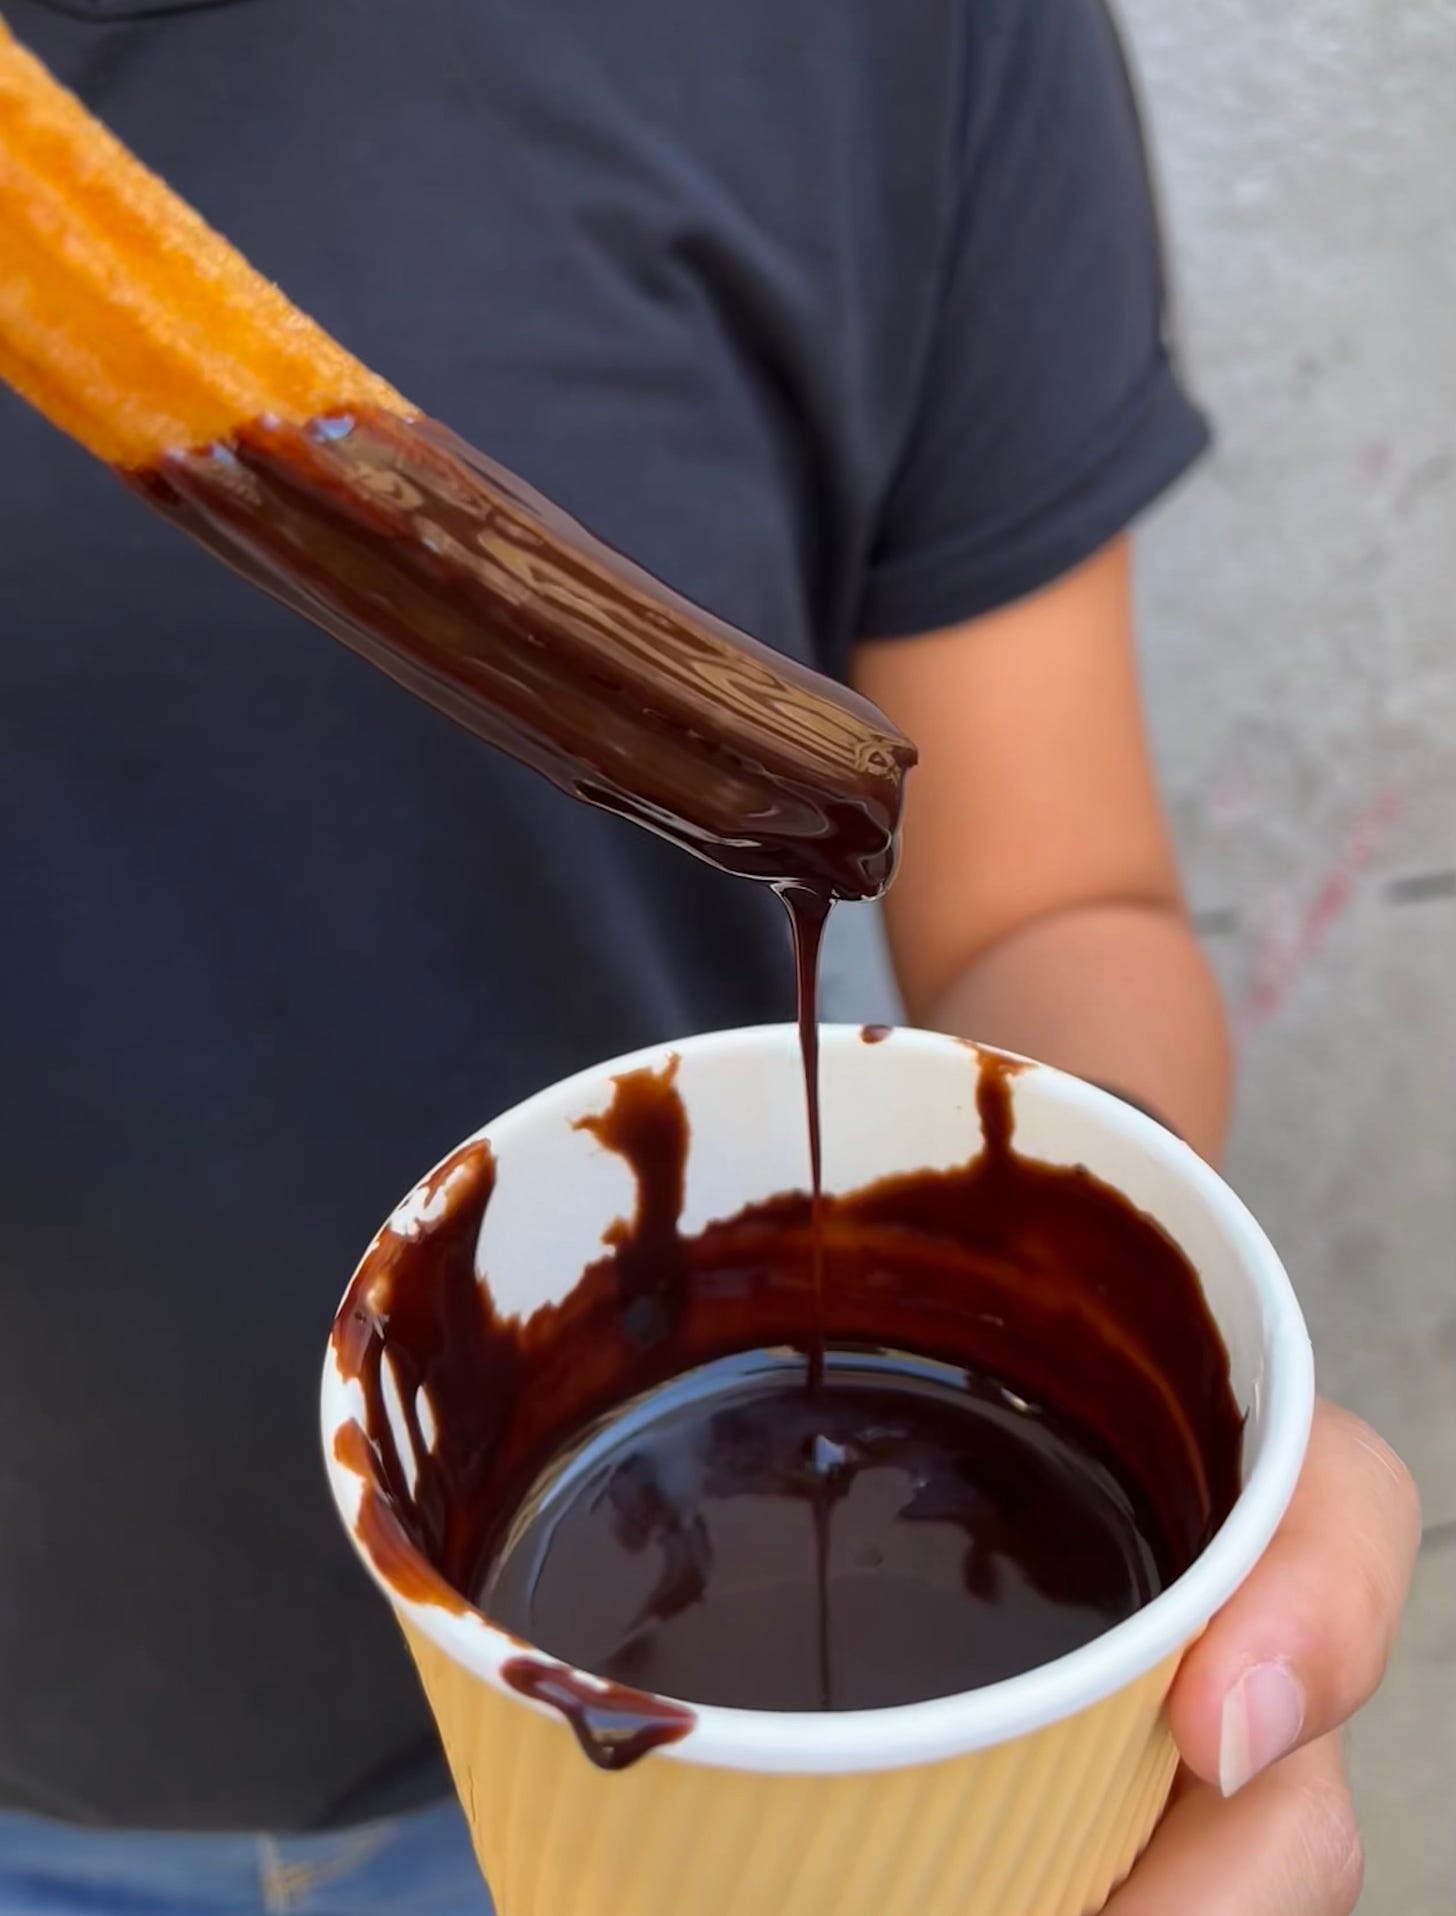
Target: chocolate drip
{"x": 615, "y": 1726}
{"x": 808, "y": 914}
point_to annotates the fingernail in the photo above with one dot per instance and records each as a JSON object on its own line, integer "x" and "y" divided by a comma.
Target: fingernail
{"x": 1263, "y": 1715}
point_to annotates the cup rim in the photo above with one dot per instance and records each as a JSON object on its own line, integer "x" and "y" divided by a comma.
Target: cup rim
{"x": 904, "y": 1735}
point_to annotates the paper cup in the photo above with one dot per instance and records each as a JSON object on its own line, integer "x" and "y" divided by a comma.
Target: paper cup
{"x": 1030, "y": 1797}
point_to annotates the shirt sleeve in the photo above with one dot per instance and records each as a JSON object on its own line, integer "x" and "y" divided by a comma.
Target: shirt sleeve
{"x": 1050, "y": 411}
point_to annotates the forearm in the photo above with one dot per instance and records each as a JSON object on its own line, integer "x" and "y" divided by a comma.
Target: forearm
{"x": 1119, "y": 994}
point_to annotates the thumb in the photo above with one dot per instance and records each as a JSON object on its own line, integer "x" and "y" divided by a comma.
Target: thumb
{"x": 1305, "y": 1640}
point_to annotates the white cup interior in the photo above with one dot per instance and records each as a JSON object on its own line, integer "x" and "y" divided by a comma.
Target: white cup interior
{"x": 901, "y": 1104}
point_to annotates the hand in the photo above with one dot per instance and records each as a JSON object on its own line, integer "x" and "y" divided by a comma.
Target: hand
{"x": 1261, "y": 1822}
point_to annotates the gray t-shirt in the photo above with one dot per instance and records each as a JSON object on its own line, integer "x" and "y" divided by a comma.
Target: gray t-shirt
{"x": 844, "y": 316}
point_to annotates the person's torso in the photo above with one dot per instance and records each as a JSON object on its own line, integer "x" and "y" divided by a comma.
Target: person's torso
{"x": 275, "y": 937}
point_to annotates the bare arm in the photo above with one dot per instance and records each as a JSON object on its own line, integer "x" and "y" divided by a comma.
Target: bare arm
{"x": 1038, "y": 905}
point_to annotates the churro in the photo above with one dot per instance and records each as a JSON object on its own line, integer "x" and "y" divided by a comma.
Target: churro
{"x": 124, "y": 317}
{"x": 134, "y": 327}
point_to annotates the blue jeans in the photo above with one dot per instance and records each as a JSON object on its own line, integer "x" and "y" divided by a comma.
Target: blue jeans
{"x": 418, "y": 1865}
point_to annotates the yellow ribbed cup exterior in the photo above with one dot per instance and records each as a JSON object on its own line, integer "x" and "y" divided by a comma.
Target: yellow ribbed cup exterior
{"x": 1045, "y": 1825}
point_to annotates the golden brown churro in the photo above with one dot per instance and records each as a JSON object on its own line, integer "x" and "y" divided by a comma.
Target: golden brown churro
{"x": 123, "y": 317}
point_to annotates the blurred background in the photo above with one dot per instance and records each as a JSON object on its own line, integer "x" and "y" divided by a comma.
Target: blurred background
{"x": 1298, "y": 610}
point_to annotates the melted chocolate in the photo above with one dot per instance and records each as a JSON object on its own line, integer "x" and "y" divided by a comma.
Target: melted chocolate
{"x": 615, "y": 1726}
{"x": 1038, "y": 1284}
{"x": 956, "y": 1534}
{"x": 485, "y": 599}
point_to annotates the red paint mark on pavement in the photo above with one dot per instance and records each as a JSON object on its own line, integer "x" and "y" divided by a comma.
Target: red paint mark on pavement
{"x": 1279, "y": 959}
